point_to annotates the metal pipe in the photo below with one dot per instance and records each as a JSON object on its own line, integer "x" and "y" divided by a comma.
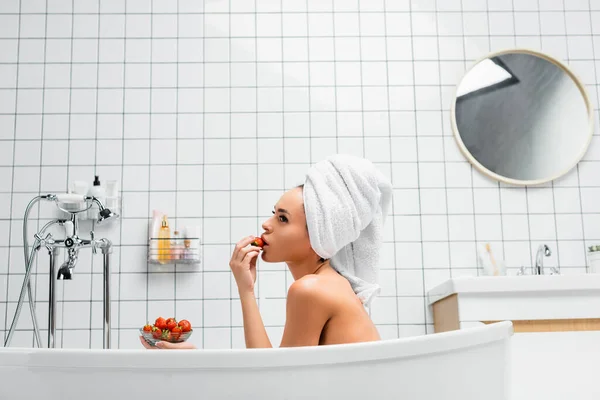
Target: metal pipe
{"x": 36, "y": 329}
{"x": 106, "y": 250}
{"x": 53, "y": 253}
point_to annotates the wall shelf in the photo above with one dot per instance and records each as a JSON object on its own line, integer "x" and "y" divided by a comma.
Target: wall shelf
{"x": 174, "y": 255}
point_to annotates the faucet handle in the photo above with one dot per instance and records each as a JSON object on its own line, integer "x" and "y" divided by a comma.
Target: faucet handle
{"x": 554, "y": 271}
{"x": 522, "y": 271}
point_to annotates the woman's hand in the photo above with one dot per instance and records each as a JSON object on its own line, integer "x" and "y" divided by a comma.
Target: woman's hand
{"x": 167, "y": 345}
{"x": 243, "y": 264}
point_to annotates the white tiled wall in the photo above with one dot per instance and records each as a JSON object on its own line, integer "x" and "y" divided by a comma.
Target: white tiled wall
{"x": 209, "y": 110}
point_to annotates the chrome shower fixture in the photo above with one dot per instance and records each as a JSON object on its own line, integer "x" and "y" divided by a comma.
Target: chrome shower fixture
{"x": 76, "y": 203}
{"x": 72, "y": 204}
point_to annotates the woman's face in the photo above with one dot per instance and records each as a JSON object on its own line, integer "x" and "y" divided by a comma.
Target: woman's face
{"x": 285, "y": 233}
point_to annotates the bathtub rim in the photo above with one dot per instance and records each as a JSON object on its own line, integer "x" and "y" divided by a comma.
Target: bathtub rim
{"x": 409, "y": 347}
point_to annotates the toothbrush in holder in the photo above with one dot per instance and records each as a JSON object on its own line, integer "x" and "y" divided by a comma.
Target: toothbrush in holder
{"x": 488, "y": 248}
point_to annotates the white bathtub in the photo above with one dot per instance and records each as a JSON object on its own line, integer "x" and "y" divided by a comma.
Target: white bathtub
{"x": 464, "y": 364}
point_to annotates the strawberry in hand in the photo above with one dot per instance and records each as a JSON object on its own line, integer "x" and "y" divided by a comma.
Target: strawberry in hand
{"x": 258, "y": 242}
{"x": 243, "y": 263}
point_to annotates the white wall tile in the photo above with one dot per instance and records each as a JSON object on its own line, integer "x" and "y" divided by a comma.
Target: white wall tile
{"x": 216, "y": 313}
{"x": 433, "y": 201}
{"x": 488, "y": 227}
{"x": 459, "y": 201}
{"x": 436, "y": 255}
{"x": 513, "y": 200}
{"x": 487, "y": 201}
{"x": 26, "y": 179}
{"x": 515, "y": 227}
{"x": 461, "y": 227}
{"x": 434, "y": 227}
{"x": 166, "y": 202}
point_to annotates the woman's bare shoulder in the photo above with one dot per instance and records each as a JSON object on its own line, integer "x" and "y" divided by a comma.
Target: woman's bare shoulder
{"x": 325, "y": 288}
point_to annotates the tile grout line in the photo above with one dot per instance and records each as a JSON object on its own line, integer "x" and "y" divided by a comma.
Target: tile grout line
{"x": 121, "y": 205}
{"x": 414, "y": 111}
{"x": 95, "y": 152}
{"x": 389, "y": 120}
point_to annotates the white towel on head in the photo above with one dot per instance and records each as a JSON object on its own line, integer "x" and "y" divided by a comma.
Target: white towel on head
{"x": 346, "y": 201}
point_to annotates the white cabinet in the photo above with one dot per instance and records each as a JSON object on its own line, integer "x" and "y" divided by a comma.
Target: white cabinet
{"x": 556, "y": 319}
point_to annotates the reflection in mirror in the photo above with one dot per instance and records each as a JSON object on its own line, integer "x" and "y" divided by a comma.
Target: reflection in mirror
{"x": 521, "y": 117}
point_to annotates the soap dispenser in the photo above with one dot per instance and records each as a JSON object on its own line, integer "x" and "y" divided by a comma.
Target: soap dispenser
{"x": 98, "y": 192}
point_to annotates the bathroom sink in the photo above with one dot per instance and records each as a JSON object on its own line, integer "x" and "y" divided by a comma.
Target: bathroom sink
{"x": 515, "y": 284}
{"x": 477, "y": 300}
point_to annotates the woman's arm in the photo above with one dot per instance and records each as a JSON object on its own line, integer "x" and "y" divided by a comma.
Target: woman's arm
{"x": 308, "y": 309}
{"x": 243, "y": 266}
{"x": 254, "y": 328}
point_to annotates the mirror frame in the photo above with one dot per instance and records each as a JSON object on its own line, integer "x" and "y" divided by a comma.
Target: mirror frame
{"x": 490, "y": 174}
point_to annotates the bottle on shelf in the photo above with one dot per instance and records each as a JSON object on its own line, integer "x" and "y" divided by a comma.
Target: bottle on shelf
{"x": 164, "y": 241}
{"x": 176, "y": 246}
{"x": 187, "y": 251}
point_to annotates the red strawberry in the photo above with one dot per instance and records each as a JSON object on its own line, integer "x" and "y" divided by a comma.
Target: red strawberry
{"x": 156, "y": 332}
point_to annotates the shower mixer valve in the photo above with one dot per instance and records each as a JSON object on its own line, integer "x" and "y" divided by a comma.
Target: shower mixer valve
{"x": 73, "y": 244}
{"x": 72, "y": 204}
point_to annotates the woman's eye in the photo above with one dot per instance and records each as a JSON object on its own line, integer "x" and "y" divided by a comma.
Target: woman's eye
{"x": 281, "y": 217}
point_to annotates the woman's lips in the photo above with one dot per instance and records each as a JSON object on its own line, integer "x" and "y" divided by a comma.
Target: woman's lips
{"x": 264, "y": 241}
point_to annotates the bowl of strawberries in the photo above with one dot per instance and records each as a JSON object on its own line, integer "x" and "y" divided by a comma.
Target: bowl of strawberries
{"x": 169, "y": 330}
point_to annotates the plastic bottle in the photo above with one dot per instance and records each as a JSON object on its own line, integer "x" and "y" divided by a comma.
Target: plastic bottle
{"x": 187, "y": 252}
{"x": 98, "y": 192}
{"x": 164, "y": 242}
{"x": 176, "y": 246}
{"x": 153, "y": 233}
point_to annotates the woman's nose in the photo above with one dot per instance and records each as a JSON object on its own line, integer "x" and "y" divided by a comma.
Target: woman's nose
{"x": 266, "y": 225}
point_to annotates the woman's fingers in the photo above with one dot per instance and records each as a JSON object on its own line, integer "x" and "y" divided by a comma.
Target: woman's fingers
{"x": 174, "y": 346}
{"x": 249, "y": 256}
{"x": 247, "y": 250}
{"x": 241, "y": 245}
{"x": 166, "y": 345}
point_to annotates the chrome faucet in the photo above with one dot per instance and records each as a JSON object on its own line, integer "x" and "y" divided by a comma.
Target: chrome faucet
{"x": 542, "y": 251}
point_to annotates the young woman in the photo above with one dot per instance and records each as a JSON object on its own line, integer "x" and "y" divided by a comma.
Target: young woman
{"x": 321, "y": 307}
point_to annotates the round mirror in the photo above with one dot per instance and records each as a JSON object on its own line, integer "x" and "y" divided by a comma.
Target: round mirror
{"x": 522, "y": 117}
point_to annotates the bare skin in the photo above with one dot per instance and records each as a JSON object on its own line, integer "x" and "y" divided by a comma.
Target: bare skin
{"x": 348, "y": 321}
{"x": 321, "y": 307}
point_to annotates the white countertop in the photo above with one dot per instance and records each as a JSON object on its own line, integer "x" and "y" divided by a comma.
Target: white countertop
{"x": 508, "y": 284}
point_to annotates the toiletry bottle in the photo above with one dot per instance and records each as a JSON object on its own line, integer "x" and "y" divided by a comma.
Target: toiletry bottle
{"x": 153, "y": 233}
{"x": 190, "y": 242}
{"x": 187, "y": 252}
{"x": 98, "y": 192}
{"x": 176, "y": 246}
{"x": 164, "y": 242}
